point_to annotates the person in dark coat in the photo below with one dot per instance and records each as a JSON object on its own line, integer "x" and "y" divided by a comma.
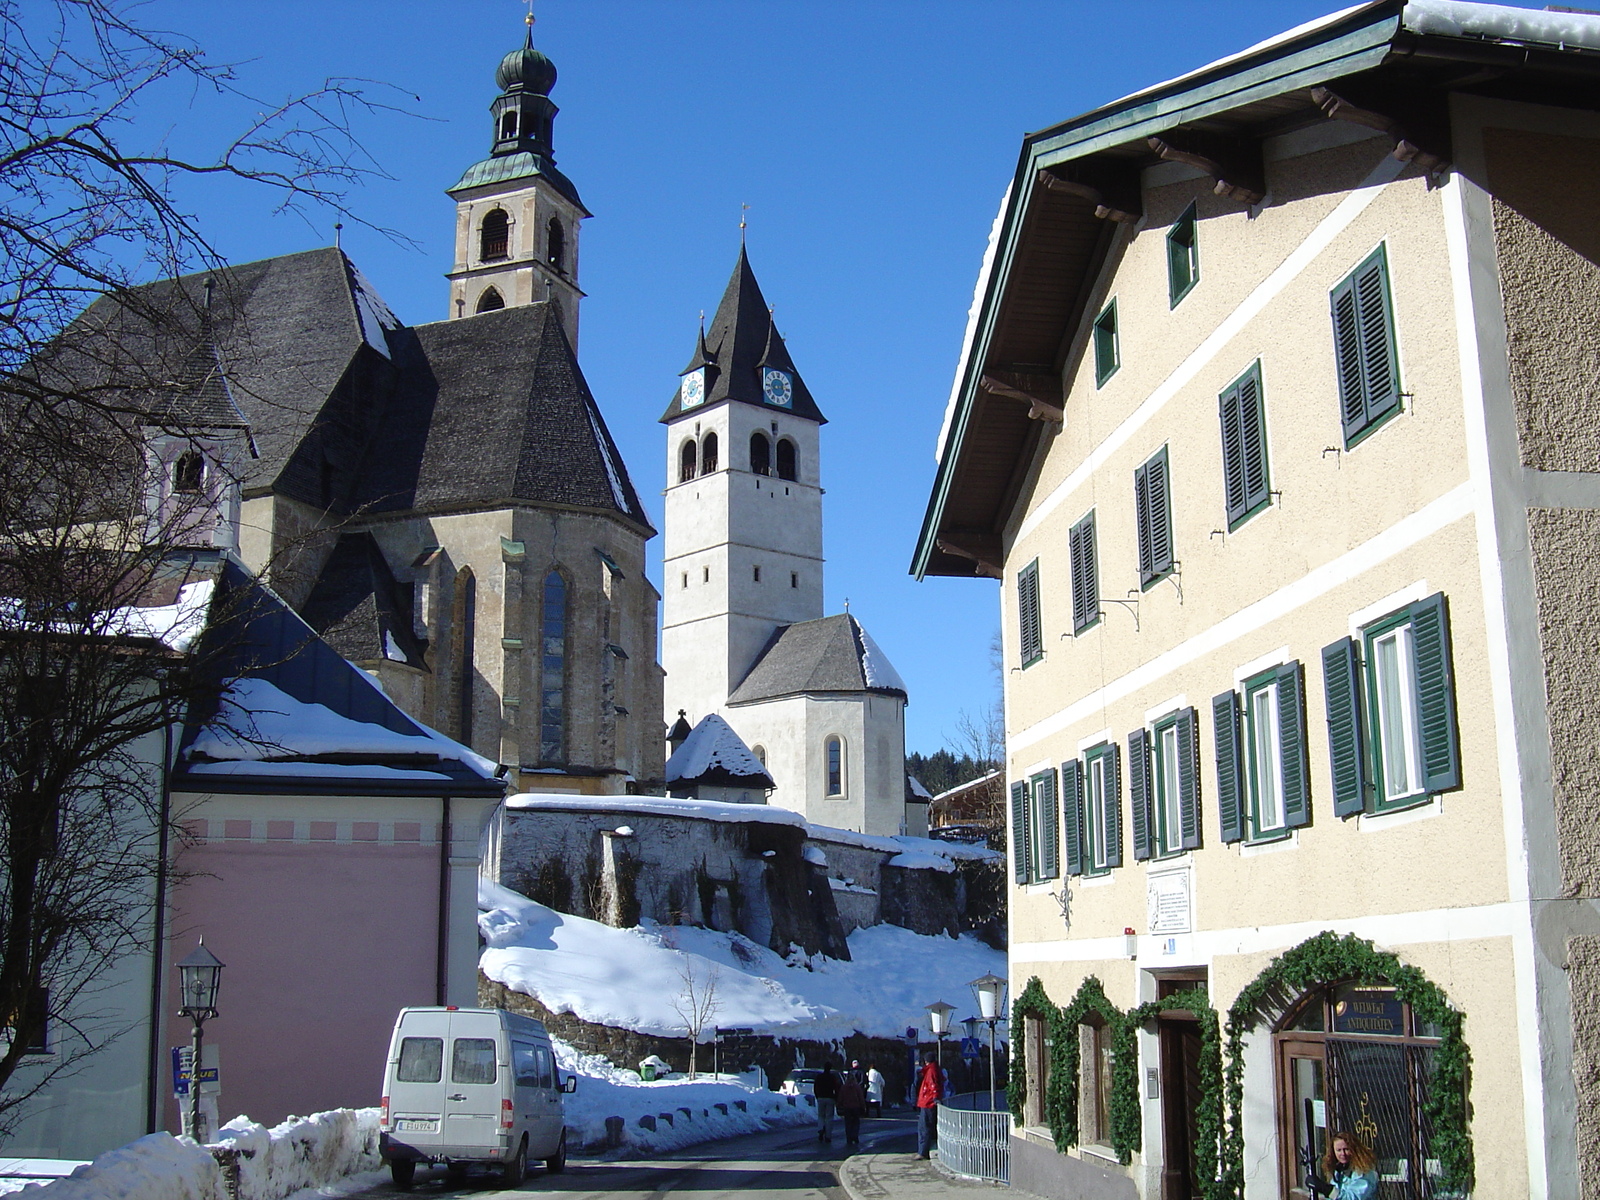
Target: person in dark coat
{"x": 930, "y": 1090}
{"x": 826, "y": 1091}
{"x": 852, "y": 1107}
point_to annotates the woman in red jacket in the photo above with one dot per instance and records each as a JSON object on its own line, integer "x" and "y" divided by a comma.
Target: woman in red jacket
{"x": 930, "y": 1089}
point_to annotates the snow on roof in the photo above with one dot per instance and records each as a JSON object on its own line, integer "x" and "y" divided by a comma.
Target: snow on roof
{"x": 899, "y": 844}
{"x": 1454, "y": 18}
{"x": 875, "y": 665}
{"x": 375, "y": 315}
{"x": 174, "y": 625}
{"x": 713, "y": 749}
{"x": 629, "y": 978}
{"x": 968, "y": 785}
{"x": 922, "y": 861}
{"x": 917, "y": 788}
{"x": 658, "y": 806}
{"x": 974, "y": 315}
{"x": 613, "y": 475}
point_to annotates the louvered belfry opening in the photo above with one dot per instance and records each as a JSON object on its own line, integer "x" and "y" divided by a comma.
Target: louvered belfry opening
{"x": 490, "y": 301}
{"x": 494, "y": 236}
{"x": 556, "y": 244}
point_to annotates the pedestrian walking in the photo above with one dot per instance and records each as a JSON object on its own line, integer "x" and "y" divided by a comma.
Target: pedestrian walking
{"x": 826, "y": 1092}
{"x": 930, "y": 1090}
{"x": 875, "y": 1085}
{"x": 852, "y": 1107}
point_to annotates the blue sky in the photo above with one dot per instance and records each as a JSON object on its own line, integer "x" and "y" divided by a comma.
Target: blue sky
{"x": 872, "y": 141}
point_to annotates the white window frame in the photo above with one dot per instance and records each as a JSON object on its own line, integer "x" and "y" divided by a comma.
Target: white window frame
{"x": 1397, "y": 714}
{"x": 827, "y": 770}
{"x": 1261, "y": 722}
{"x": 1168, "y": 840}
{"x": 1094, "y": 816}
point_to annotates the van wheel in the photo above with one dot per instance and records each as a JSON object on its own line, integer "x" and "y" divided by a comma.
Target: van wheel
{"x": 403, "y": 1171}
{"x": 515, "y": 1171}
{"x": 557, "y": 1162}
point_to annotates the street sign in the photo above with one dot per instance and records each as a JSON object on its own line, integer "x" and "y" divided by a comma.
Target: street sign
{"x": 911, "y": 1034}
{"x": 210, "y": 1072}
{"x": 970, "y": 1048}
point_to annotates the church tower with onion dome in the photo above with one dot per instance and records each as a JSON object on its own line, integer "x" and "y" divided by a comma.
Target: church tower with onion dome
{"x": 517, "y": 216}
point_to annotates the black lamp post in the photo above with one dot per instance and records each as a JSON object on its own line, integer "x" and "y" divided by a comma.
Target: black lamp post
{"x": 990, "y": 993}
{"x": 200, "y": 976}
{"x": 939, "y": 1022}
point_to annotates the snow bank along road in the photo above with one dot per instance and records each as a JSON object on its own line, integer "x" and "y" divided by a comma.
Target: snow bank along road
{"x": 786, "y": 1165}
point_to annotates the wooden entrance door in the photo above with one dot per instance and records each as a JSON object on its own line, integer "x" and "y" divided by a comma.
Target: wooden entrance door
{"x": 1180, "y": 1103}
{"x": 1302, "y": 1112}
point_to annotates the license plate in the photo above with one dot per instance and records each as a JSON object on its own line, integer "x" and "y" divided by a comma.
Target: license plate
{"x": 415, "y": 1125}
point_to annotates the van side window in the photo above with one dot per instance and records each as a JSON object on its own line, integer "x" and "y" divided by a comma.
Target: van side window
{"x": 546, "y": 1078}
{"x": 526, "y": 1065}
{"x": 421, "y": 1060}
{"x": 472, "y": 1061}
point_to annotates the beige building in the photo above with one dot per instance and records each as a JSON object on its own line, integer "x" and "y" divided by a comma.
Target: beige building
{"x": 1277, "y": 418}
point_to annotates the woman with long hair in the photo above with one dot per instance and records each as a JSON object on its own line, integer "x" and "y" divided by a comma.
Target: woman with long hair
{"x": 1351, "y": 1168}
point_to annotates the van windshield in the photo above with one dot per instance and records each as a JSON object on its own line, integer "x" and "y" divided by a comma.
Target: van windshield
{"x": 472, "y": 1061}
{"x": 421, "y": 1059}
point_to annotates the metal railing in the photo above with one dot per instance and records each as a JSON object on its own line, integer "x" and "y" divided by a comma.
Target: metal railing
{"x": 973, "y": 1141}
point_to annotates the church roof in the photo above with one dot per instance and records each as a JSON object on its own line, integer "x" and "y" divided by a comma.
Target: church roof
{"x": 524, "y": 164}
{"x": 831, "y": 654}
{"x": 714, "y": 754}
{"x": 359, "y": 608}
{"x": 200, "y": 397}
{"x": 743, "y": 339}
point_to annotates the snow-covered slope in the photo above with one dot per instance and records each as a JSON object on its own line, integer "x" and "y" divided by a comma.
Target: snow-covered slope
{"x": 628, "y": 978}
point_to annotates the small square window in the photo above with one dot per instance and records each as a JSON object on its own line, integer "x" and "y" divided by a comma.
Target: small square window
{"x": 1183, "y": 257}
{"x": 1107, "y": 353}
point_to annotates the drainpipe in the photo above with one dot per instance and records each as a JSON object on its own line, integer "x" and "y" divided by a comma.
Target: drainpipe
{"x": 153, "y": 1093}
{"x": 442, "y": 957}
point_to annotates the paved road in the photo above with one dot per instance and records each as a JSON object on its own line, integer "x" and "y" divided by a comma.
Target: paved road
{"x": 785, "y": 1165}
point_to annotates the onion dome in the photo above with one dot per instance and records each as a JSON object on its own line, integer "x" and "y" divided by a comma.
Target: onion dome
{"x": 526, "y": 70}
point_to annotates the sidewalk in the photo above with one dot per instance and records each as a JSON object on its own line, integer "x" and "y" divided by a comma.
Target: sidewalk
{"x": 904, "y": 1176}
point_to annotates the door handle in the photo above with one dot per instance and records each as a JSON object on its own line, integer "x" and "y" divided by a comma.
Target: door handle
{"x": 457, "y": 1096}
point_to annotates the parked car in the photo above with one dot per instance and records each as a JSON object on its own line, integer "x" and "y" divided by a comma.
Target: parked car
{"x": 471, "y": 1085}
{"x": 799, "y": 1082}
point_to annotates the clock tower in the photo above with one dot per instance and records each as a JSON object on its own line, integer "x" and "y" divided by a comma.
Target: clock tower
{"x": 743, "y": 550}
{"x": 516, "y": 215}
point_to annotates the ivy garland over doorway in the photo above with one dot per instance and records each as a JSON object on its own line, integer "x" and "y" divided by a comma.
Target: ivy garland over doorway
{"x": 1319, "y": 961}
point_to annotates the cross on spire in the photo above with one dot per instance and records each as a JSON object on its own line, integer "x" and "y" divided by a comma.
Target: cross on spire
{"x": 743, "y": 221}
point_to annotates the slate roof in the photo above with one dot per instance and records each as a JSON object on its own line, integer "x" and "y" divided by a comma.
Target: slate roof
{"x": 830, "y": 654}
{"x": 742, "y": 339}
{"x": 360, "y": 609}
{"x": 200, "y": 397}
{"x": 714, "y": 754}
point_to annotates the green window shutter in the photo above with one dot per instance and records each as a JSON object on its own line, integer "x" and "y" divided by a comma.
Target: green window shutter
{"x": 1141, "y": 521}
{"x": 1113, "y": 805}
{"x": 1030, "y": 642}
{"x": 1347, "y": 752}
{"x": 1189, "y": 779}
{"x": 1072, "y": 813}
{"x": 1139, "y": 793}
{"x": 1436, "y": 694}
{"x": 1085, "y": 581}
{"x": 1233, "y": 488}
{"x": 1152, "y": 503}
{"x": 1050, "y": 852}
{"x": 1230, "y": 766}
{"x": 1380, "y": 380}
{"x": 1253, "y": 439}
{"x": 1019, "y": 830}
{"x": 1292, "y": 745}
{"x": 1183, "y": 261}
{"x": 1107, "y": 354}
{"x": 1347, "y": 351}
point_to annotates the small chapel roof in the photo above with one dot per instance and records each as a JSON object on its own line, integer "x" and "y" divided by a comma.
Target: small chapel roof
{"x": 742, "y": 339}
{"x": 831, "y": 654}
{"x": 714, "y": 754}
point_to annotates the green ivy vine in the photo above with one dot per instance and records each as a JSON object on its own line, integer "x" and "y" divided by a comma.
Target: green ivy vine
{"x": 1327, "y": 958}
{"x": 1090, "y": 999}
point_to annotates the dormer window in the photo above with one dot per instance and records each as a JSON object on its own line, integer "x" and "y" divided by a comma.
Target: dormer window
{"x": 494, "y": 236}
{"x": 189, "y": 472}
{"x": 556, "y": 244}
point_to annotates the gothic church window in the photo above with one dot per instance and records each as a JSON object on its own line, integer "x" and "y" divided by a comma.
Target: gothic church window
{"x": 686, "y": 461}
{"x": 490, "y": 300}
{"x": 708, "y": 454}
{"x": 835, "y": 754}
{"x": 188, "y": 472}
{"x": 760, "y": 454}
{"x": 556, "y": 244}
{"x": 553, "y": 668}
{"x": 494, "y": 237}
{"x": 787, "y": 466}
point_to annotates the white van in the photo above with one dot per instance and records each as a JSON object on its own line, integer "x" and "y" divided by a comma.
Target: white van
{"x": 471, "y": 1085}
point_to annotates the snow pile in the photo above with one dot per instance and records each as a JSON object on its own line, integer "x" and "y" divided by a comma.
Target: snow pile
{"x": 713, "y": 746}
{"x": 629, "y": 978}
{"x": 174, "y": 625}
{"x": 714, "y": 1106}
{"x": 875, "y": 666}
{"x": 656, "y": 806}
{"x": 1453, "y": 18}
{"x": 303, "y": 1152}
{"x": 923, "y": 860}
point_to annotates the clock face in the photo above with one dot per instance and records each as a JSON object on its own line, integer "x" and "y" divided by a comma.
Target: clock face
{"x": 693, "y": 389}
{"x": 777, "y": 387}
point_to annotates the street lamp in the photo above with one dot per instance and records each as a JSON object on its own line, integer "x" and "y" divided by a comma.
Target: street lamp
{"x": 990, "y": 993}
{"x": 939, "y": 1022}
{"x": 200, "y": 977}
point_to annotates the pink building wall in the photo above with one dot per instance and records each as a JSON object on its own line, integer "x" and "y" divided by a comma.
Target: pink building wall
{"x": 324, "y": 941}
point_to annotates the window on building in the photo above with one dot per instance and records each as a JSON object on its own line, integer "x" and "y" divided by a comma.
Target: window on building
{"x": 1263, "y": 791}
{"x": 834, "y": 751}
{"x": 466, "y": 652}
{"x": 705, "y": 574}
{"x": 1040, "y": 1045}
{"x": 1035, "y": 829}
{"x": 189, "y": 472}
{"x": 788, "y": 464}
{"x": 1392, "y": 737}
{"x": 1107, "y": 352}
{"x": 490, "y": 301}
{"x": 553, "y": 671}
{"x": 1364, "y": 345}
{"x": 687, "y": 454}
{"x": 1183, "y": 256}
{"x": 508, "y": 124}
{"x": 494, "y": 236}
{"x": 761, "y": 754}
{"x": 555, "y": 244}
{"x": 760, "y": 454}
{"x": 685, "y": 579}
{"x": 1245, "y": 480}
{"x": 1095, "y": 1070}
{"x": 1091, "y": 806}
{"x": 708, "y": 454}
{"x": 794, "y": 579}
{"x": 1152, "y": 506}
{"x": 1029, "y": 637}
{"x": 755, "y": 574}
{"x": 1163, "y": 788}
{"x": 1085, "y": 575}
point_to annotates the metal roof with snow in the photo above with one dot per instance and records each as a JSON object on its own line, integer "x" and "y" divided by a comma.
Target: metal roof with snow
{"x": 830, "y": 654}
